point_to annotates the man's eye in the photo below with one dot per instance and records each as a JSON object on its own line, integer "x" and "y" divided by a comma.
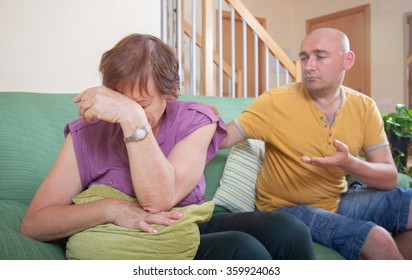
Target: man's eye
{"x": 303, "y": 58}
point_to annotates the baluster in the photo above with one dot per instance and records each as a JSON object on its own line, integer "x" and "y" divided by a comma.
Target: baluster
{"x": 164, "y": 21}
{"x": 277, "y": 71}
{"x": 193, "y": 51}
{"x": 267, "y": 80}
{"x": 244, "y": 43}
{"x": 179, "y": 38}
{"x": 220, "y": 30}
{"x": 256, "y": 43}
{"x": 232, "y": 35}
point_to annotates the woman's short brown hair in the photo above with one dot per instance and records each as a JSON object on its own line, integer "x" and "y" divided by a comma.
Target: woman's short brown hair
{"x": 137, "y": 58}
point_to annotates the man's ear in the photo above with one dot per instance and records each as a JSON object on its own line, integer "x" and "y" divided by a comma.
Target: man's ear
{"x": 349, "y": 60}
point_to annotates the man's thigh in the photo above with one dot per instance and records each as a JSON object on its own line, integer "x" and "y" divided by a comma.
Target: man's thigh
{"x": 343, "y": 234}
{"x": 389, "y": 209}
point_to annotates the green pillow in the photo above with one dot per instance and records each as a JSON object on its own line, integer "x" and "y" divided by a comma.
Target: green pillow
{"x": 179, "y": 241}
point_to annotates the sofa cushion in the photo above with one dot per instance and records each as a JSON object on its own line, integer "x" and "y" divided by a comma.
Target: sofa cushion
{"x": 109, "y": 241}
{"x": 237, "y": 189}
{"x": 15, "y": 246}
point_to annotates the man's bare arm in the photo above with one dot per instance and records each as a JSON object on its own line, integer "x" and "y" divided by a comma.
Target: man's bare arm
{"x": 233, "y": 137}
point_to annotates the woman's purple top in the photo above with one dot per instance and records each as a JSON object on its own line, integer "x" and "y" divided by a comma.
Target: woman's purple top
{"x": 101, "y": 152}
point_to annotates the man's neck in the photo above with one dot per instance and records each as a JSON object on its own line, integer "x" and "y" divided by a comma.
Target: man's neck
{"x": 325, "y": 99}
{"x": 329, "y": 103}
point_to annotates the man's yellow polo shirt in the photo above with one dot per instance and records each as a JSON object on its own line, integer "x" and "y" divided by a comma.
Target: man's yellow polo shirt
{"x": 291, "y": 124}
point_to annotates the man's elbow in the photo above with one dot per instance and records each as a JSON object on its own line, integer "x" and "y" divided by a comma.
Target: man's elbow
{"x": 393, "y": 181}
{"x": 224, "y": 143}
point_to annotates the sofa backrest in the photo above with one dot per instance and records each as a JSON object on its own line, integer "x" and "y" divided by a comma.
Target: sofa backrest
{"x": 31, "y": 134}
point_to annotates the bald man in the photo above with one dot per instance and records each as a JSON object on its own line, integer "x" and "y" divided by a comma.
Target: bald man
{"x": 314, "y": 131}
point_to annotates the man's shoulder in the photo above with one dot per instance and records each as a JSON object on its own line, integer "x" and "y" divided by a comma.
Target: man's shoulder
{"x": 350, "y": 91}
{"x": 292, "y": 88}
{"x": 292, "y": 92}
{"x": 352, "y": 94}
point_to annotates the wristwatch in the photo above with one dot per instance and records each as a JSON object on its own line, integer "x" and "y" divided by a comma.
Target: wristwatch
{"x": 139, "y": 134}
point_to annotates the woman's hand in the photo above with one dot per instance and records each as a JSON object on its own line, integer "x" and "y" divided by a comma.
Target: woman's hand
{"x": 131, "y": 215}
{"x": 104, "y": 103}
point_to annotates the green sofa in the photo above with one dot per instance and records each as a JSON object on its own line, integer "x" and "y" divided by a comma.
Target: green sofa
{"x": 31, "y": 133}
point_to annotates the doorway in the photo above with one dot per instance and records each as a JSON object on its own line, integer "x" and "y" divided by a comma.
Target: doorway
{"x": 355, "y": 23}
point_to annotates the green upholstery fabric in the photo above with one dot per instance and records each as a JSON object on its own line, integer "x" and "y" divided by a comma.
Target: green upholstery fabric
{"x": 404, "y": 181}
{"x": 324, "y": 253}
{"x": 15, "y": 246}
{"x": 31, "y": 136}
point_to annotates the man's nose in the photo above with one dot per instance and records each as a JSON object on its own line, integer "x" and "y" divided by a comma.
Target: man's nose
{"x": 310, "y": 63}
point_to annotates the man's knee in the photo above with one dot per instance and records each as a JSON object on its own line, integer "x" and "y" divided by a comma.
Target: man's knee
{"x": 379, "y": 245}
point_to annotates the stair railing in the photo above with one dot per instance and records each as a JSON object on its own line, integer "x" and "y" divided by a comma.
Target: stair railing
{"x": 208, "y": 77}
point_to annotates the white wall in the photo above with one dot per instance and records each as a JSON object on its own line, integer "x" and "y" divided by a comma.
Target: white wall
{"x": 56, "y": 45}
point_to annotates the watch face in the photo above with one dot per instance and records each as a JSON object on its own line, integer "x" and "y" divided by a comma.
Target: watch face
{"x": 140, "y": 133}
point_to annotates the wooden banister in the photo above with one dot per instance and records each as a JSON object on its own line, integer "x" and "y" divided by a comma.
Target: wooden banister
{"x": 264, "y": 36}
{"x": 227, "y": 69}
{"x": 210, "y": 57}
{"x": 187, "y": 29}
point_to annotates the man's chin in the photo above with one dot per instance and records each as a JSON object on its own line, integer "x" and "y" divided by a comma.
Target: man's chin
{"x": 311, "y": 85}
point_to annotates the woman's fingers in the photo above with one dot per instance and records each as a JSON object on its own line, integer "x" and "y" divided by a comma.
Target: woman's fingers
{"x": 163, "y": 218}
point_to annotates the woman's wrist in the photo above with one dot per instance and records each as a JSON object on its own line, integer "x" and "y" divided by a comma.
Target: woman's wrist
{"x": 132, "y": 120}
{"x": 109, "y": 207}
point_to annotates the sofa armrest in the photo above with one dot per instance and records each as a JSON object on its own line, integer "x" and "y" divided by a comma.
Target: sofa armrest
{"x": 15, "y": 246}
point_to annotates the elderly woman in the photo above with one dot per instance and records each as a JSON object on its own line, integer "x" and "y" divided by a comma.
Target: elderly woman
{"x": 134, "y": 136}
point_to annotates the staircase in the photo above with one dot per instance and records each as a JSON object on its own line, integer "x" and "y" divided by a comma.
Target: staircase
{"x": 216, "y": 55}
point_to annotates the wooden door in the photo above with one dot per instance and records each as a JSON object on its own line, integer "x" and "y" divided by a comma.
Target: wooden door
{"x": 226, "y": 26}
{"x": 355, "y": 23}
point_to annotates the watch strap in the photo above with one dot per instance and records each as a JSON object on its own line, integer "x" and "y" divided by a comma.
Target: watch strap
{"x": 134, "y": 137}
